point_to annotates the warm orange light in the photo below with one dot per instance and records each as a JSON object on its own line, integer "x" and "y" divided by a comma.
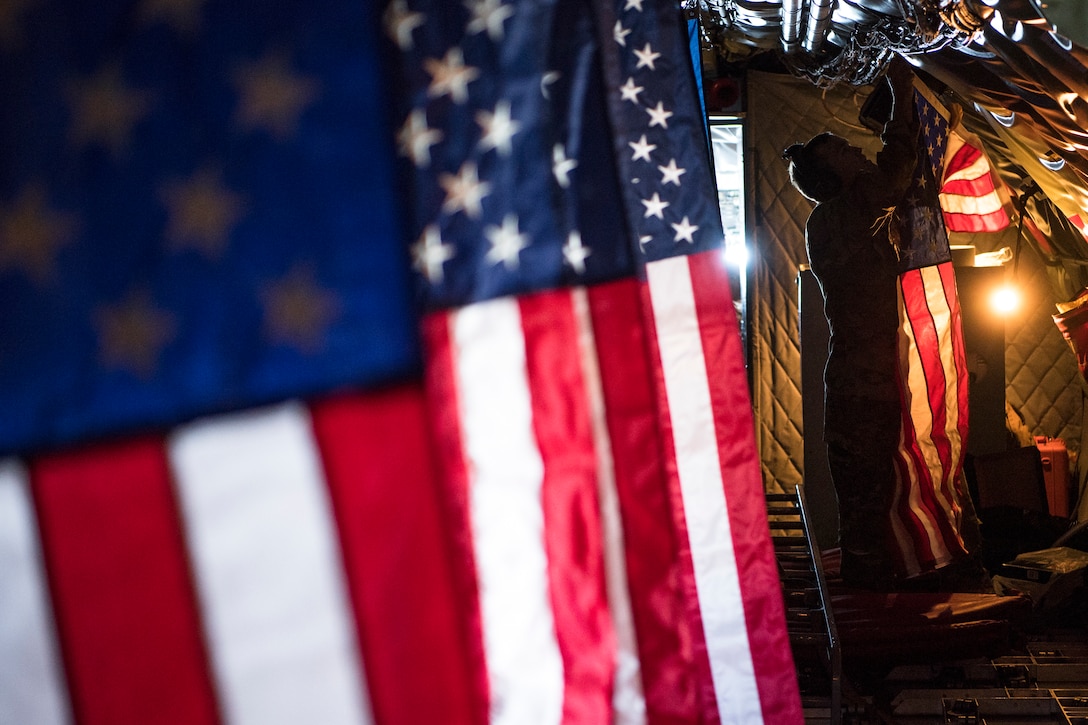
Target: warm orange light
{"x": 1005, "y": 300}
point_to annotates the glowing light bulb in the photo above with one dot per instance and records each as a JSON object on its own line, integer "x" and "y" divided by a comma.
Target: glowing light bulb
{"x": 1005, "y": 300}
{"x": 736, "y": 255}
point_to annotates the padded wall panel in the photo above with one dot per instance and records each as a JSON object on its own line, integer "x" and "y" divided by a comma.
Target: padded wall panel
{"x": 783, "y": 110}
{"x": 1042, "y": 380}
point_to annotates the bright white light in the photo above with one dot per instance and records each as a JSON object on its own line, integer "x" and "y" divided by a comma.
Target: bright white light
{"x": 1005, "y": 300}
{"x": 736, "y": 255}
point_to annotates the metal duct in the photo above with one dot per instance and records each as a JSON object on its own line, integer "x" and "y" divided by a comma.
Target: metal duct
{"x": 819, "y": 20}
{"x": 791, "y": 25}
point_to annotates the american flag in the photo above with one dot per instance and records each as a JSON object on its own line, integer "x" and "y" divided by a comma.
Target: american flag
{"x": 560, "y": 145}
{"x": 968, "y": 195}
{"x": 197, "y": 216}
{"x": 550, "y": 511}
{"x": 928, "y": 504}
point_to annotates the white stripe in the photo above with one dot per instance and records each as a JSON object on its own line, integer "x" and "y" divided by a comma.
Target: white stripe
{"x": 268, "y": 570}
{"x": 942, "y": 318}
{"x": 702, "y": 490}
{"x": 973, "y": 205}
{"x": 525, "y": 668}
{"x": 628, "y": 701}
{"x": 31, "y": 688}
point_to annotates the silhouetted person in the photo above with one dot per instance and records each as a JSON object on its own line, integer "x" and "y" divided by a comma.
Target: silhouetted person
{"x": 855, "y": 263}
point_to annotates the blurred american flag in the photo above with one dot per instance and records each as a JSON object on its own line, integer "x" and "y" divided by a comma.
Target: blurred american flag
{"x": 549, "y": 511}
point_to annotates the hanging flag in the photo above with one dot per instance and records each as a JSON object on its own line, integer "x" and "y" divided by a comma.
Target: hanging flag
{"x": 713, "y": 468}
{"x": 197, "y": 215}
{"x": 968, "y": 196}
{"x": 554, "y": 145}
{"x": 550, "y": 511}
{"x": 928, "y": 508}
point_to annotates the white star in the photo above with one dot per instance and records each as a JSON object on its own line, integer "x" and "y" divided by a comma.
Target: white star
{"x": 636, "y": 4}
{"x": 619, "y": 33}
{"x": 562, "y": 166}
{"x": 684, "y": 230}
{"x": 415, "y": 138}
{"x": 671, "y": 174}
{"x": 430, "y": 253}
{"x": 450, "y": 75}
{"x": 659, "y": 116}
{"x": 642, "y": 149}
{"x": 498, "y": 128}
{"x": 654, "y": 207}
{"x": 575, "y": 252}
{"x": 646, "y": 57}
{"x": 629, "y": 91}
{"x": 464, "y": 191}
{"x": 399, "y": 23}
{"x": 506, "y": 242}
{"x": 488, "y": 15}
{"x": 546, "y": 80}
{"x": 643, "y": 241}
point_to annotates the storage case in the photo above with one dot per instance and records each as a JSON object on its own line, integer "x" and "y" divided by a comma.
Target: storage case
{"x": 1056, "y": 474}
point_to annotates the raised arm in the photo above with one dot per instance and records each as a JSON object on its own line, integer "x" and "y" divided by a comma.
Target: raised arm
{"x": 897, "y": 159}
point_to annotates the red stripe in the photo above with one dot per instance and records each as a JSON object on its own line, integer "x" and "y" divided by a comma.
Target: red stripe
{"x": 761, "y": 589}
{"x": 962, "y": 392}
{"x": 959, "y": 347}
{"x": 382, "y": 481}
{"x": 914, "y": 473}
{"x": 993, "y": 222}
{"x": 122, "y": 591}
{"x": 964, "y": 157}
{"x": 443, "y": 405}
{"x": 703, "y": 679}
{"x": 572, "y": 527}
{"x": 651, "y": 549}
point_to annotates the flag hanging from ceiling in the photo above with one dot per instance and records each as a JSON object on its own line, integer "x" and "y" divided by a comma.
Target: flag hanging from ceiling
{"x": 197, "y": 216}
{"x": 561, "y": 523}
{"x": 968, "y": 195}
{"x": 561, "y": 144}
{"x": 928, "y": 512}
{"x": 696, "y": 355}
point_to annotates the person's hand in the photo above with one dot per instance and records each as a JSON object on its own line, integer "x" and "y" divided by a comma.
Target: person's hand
{"x": 900, "y": 76}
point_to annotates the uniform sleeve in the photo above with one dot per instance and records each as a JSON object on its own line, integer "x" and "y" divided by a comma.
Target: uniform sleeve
{"x": 897, "y": 159}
